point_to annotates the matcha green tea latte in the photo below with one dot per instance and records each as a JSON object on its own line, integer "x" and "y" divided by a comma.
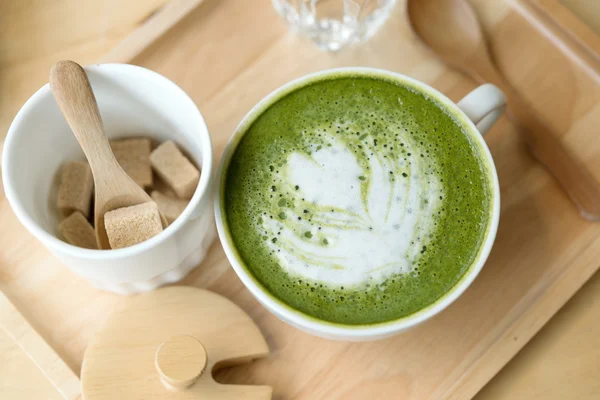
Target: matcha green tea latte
{"x": 357, "y": 200}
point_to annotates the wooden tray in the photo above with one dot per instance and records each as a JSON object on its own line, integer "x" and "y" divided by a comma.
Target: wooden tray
{"x": 565, "y": 19}
{"x": 228, "y": 54}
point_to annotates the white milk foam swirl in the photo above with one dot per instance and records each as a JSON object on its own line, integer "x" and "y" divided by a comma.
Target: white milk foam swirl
{"x": 357, "y": 242}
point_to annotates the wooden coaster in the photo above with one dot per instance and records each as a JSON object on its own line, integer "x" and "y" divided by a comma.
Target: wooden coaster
{"x": 164, "y": 345}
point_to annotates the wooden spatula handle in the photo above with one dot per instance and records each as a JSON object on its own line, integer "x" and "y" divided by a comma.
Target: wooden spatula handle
{"x": 571, "y": 174}
{"x": 73, "y": 94}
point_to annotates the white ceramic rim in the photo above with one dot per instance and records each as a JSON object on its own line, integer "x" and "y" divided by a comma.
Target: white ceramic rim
{"x": 63, "y": 247}
{"x": 313, "y": 324}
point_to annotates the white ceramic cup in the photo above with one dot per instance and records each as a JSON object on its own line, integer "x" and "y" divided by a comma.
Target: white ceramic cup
{"x": 478, "y": 110}
{"x": 133, "y": 101}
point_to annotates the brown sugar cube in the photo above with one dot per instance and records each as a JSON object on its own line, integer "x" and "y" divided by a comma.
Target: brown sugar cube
{"x": 134, "y": 157}
{"x": 175, "y": 169}
{"x": 132, "y": 225}
{"x": 162, "y": 187}
{"x": 75, "y": 190}
{"x": 77, "y": 231}
{"x": 169, "y": 206}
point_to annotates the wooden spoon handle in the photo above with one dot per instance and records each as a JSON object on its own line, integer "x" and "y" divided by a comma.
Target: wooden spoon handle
{"x": 571, "y": 174}
{"x": 73, "y": 94}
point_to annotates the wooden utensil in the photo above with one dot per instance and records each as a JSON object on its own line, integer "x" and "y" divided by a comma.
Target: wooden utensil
{"x": 112, "y": 186}
{"x": 451, "y": 29}
{"x": 29, "y": 368}
{"x": 165, "y": 344}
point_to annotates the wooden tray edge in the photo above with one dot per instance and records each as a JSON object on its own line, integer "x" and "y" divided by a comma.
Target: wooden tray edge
{"x": 570, "y": 23}
{"x": 45, "y": 358}
{"x": 547, "y": 302}
{"x": 566, "y": 32}
{"x": 151, "y": 30}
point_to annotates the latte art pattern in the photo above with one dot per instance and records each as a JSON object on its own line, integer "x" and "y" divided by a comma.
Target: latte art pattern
{"x": 346, "y": 222}
{"x": 356, "y": 200}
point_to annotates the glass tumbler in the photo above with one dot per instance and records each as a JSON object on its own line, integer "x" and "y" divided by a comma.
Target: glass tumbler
{"x": 332, "y": 24}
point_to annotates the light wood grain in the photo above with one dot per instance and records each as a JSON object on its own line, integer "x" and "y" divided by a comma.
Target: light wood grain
{"x": 163, "y": 335}
{"x": 568, "y": 38}
{"x": 562, "y": 361}
{"x": 29, "y": 368}
{"x": 180, "y": 361}
{"x": 451, "y": 29}
{"x": 585, "y": 10}
{"x": 535, "y": 216}
{"x": 35, "y": 34}
{"x": 153, "y": 28}
{"x": 569, "y": 22}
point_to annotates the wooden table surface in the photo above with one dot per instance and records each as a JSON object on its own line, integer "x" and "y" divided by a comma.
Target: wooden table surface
{"x": 561, "y": 362}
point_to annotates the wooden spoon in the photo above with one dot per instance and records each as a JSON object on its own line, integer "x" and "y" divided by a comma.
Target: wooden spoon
{"x": 451, "y": 29}
{"x": 113, "y": 187}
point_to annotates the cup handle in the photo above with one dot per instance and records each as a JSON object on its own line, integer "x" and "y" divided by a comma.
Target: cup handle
{"x": 483, "y": 106}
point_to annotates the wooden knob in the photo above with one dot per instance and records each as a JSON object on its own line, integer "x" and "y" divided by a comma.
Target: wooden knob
{"x": 180, "y": 361}
{"x": 220, "y": 333}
